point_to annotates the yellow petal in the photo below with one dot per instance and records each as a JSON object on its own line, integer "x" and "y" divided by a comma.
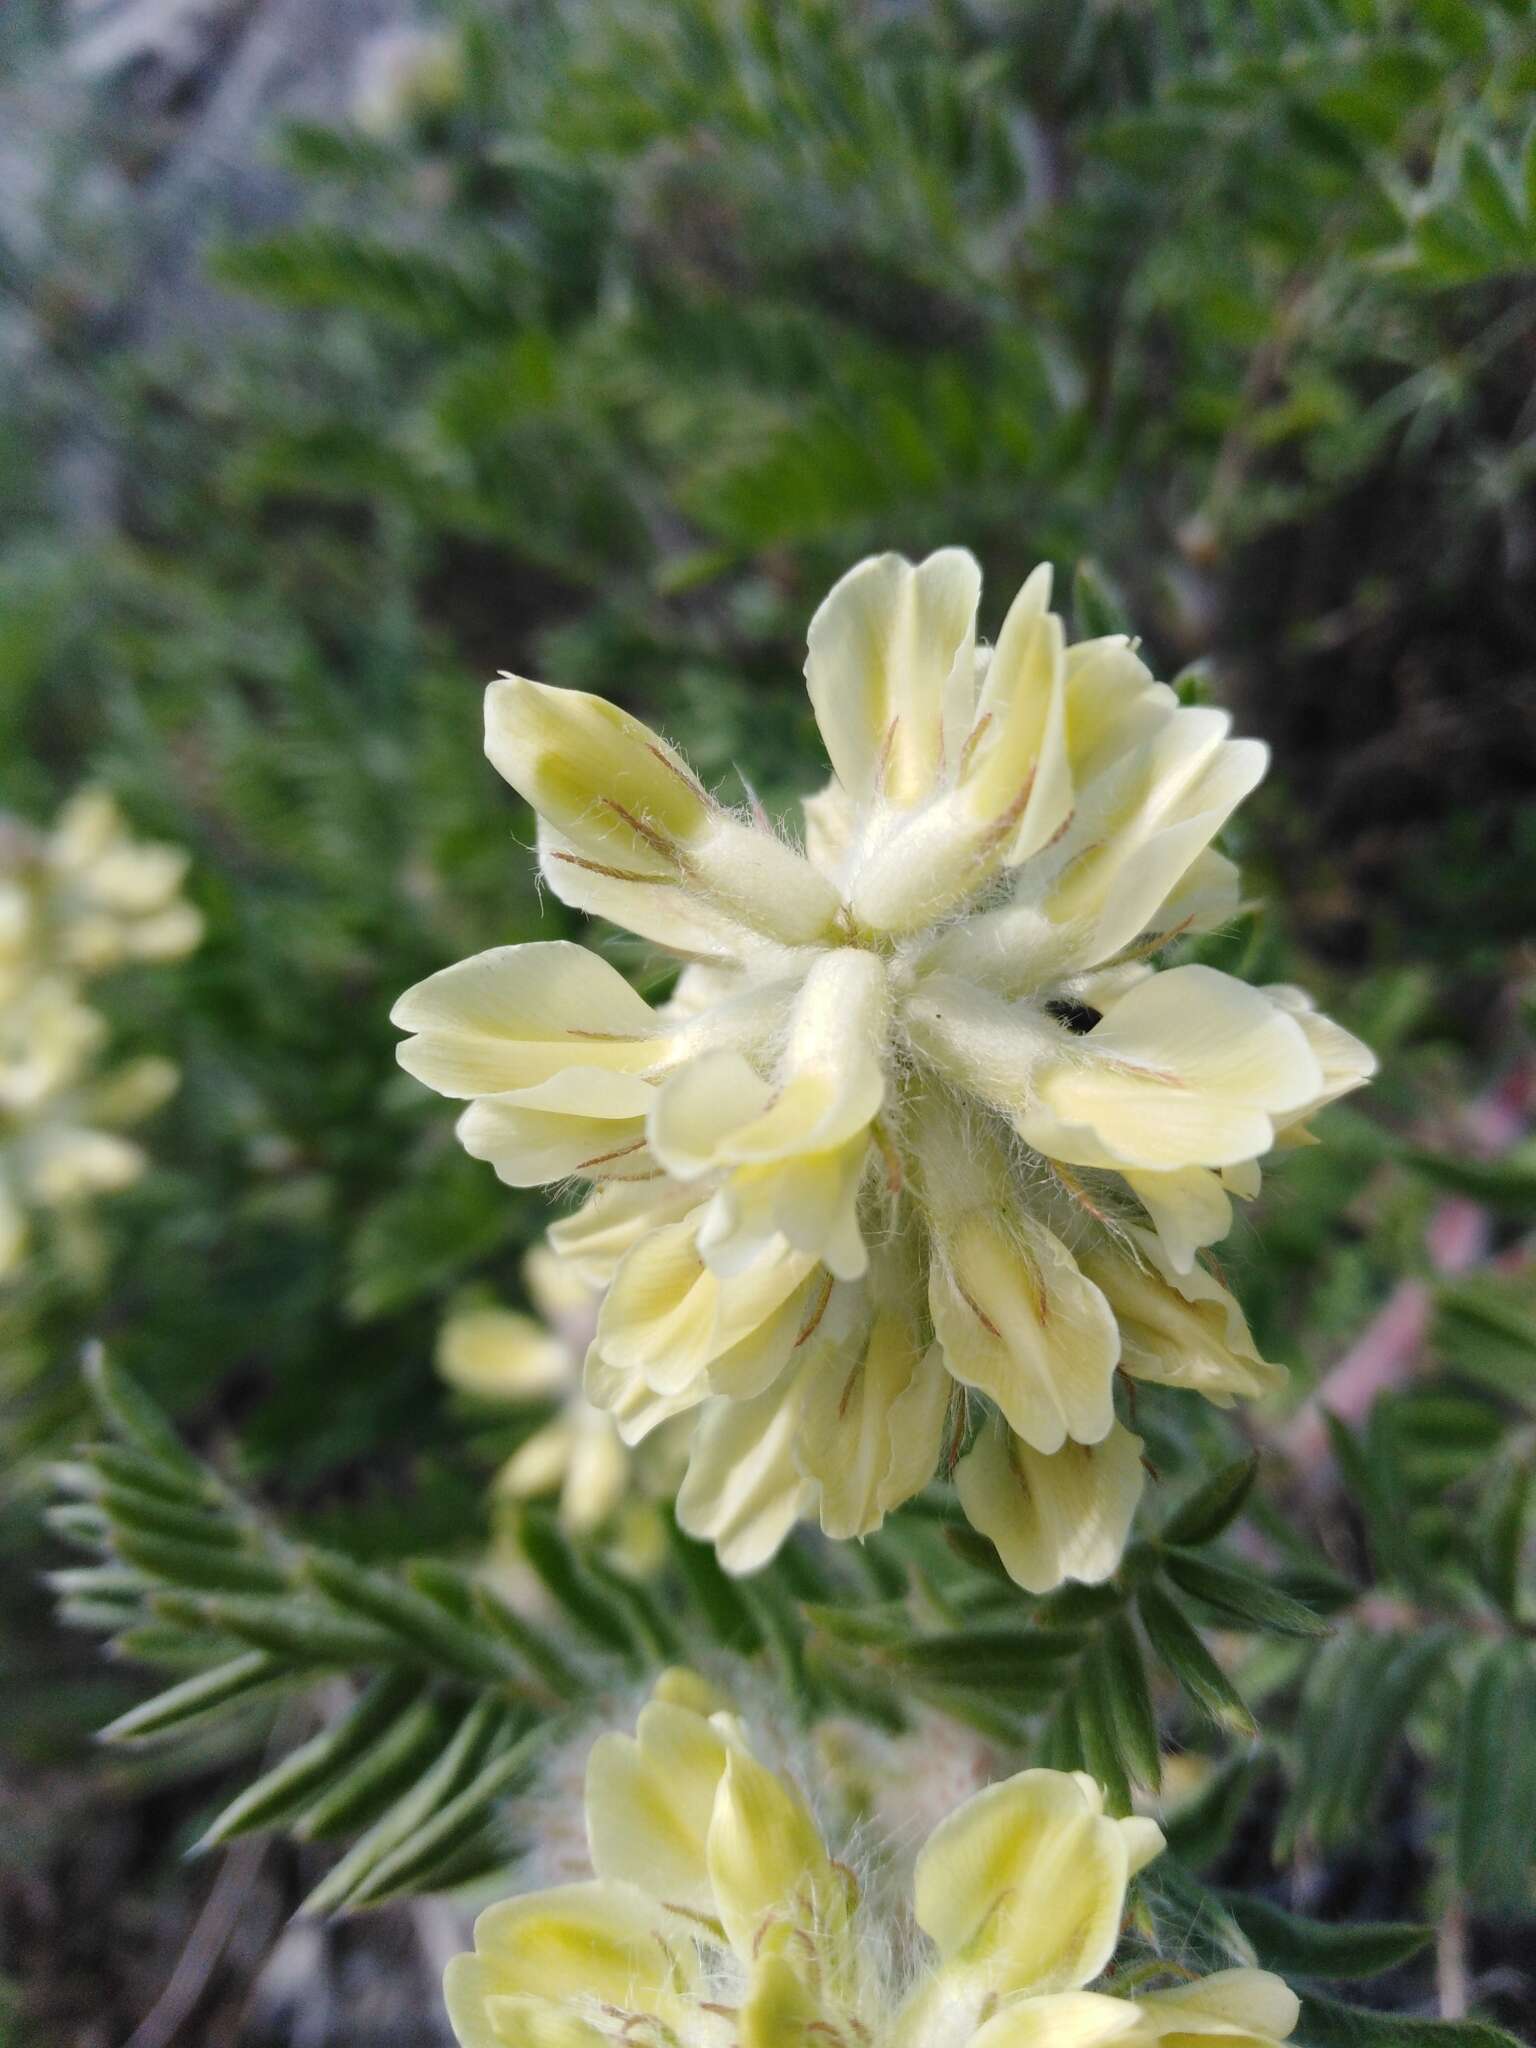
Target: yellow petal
{"x": 596, "y": 1470}
{"x": 560, "y": 1293}
{"x": 1345, "y": 1061}
{"x": 1024, "y": 1885}
{"x": 779, "y": 2011}
{"x": 917, "y": 1421}
{"x": 588, "y": 1942}
{"x": 1018, "y": 1320}
{"x": 604, "y": 780}
{"x": 502, "y": 1356}
{"x": 1189, "y": 1209}
{"x": 1066, "y": 1516}
{"x": 649, "y": 1800}
{"x": 65, "y": 1163}
{"x": 627, "y": 805}
{"x": 810, "y": 1202}
{"x": 680, "y": 1686}
{"x": 1180, "y": 1329}
{"x": 1069, "y": 2019}
{"x": 1144, "y": 819}
{"x": 1017, "y": 759}
{"x": 891, "y": 666}
{"x": 848, "y": 1439}
{"x": 768, "y": 1867}
{"x": 611, "y": 1221}
{"x": 537, "y": 2023}
{"x": 669, "y": 1318}
{"x": 744, "y": 1491}
{"x": 1144, "y": 1841}
{"x": 539, "y": 1463}
{"x": 659, "y": 908}
{"x": 518, "y": 1015}
{"x": 1188, "y": 1069}
{"x": 635, "y": 1408}
{"x": 584, "y": 1120}
{"x": 1243, "y": 2004}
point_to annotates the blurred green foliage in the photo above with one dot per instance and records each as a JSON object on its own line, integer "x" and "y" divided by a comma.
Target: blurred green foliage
{"x": 599, "y": 360}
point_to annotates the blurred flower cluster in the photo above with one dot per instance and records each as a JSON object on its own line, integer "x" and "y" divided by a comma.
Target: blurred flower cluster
{"x": 921, "y": 1121}
{"x": 501, "y": 1356}
{"x": 76, "y": 902}
{"x": 719, "y": 1913}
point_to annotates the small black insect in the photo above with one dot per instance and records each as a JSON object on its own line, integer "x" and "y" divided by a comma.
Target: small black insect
{"x": 1078, "y": 1017}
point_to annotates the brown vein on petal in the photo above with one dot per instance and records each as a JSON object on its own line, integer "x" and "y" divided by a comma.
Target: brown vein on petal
{"x": 976, "y": 1309}
{"x": 972, "y": 741}
{"x": 1150, "y": 946}
{"x": 602, "y": 1158}
{"x": 649, "y": 833}
{"x": 597, "y": 867}
{"x": 684, "y": 775}
{"x": 1076, "y": 1190}
{"x": 809, "y": 1329}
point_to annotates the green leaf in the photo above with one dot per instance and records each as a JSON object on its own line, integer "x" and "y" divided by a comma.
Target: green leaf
{"x": 455, "y": 1766}
{"x": 198, "y": 1566}
{"x": 1502, "y": 1532}
{"x": 413, "y": 1617}
{"x": 1507, "y": 1183}
{"x": 1326, "y": 2024}
{"x": 302, "y": 1631}
{"x": 410, "y": 1865}
{"x": 122, "y": 1466}
{"x": 530, "y": 1643}
{"x": 1495, "y": 1821}
{"x": 1200, "y": 1827}
{"x": 381, "y": 1771}
{"x": 1179, "y": 1648}
{"x": 593, "y": 1610}
{"x": 1242, "y": 1597}
{"x": 290, "y": 1786}
{"x": 130, "y": 1414}
{"x": 730, "y": 1620}
{"x": 1485, "y": 1328}
{"x": 1097, "y": 608}
{"x": 1299, "y": 1947}
{"x": 205, "y": 1693}
{"x": 1491, "y": 200}
{"x": 1212, "y": 1506}
{"x": 153, "y": 1515}
{"x": 1116, "y": 1666}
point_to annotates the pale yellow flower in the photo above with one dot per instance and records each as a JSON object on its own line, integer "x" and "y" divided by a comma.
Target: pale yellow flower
{"x": 74, "y": 903}
{"x": 61, "y": 1115}
{"x": 922, "y": 1137}
{"x": 719, "y": 1915}
{"x": 501, "y": 1354}
{"x": 87, "y": 896}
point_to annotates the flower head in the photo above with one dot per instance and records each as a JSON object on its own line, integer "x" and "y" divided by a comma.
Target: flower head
{"x": 923, "y": 1148}
{"x": 75, "y": 903}
{"x": 88, "y": 897}
{"x": 719, "y": 1916}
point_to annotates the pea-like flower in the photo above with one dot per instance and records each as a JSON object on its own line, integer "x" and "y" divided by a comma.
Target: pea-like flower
{"x": 719, "y": 1916}
{"x": 87, "y": 897}
{"x": 76, "y": 902}
{"x": 923, "y": 1149}
{"x": 501, "y": 1354}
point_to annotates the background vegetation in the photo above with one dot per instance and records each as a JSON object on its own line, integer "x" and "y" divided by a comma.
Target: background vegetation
{"x": 594, "y": 340}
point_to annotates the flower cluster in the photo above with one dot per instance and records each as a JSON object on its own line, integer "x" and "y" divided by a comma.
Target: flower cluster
{"x": 718, "y": 1917}
{"x": 924, "y": 1148}
{"x": 501, "y": 1355}
{"x": 75, "y": 903}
